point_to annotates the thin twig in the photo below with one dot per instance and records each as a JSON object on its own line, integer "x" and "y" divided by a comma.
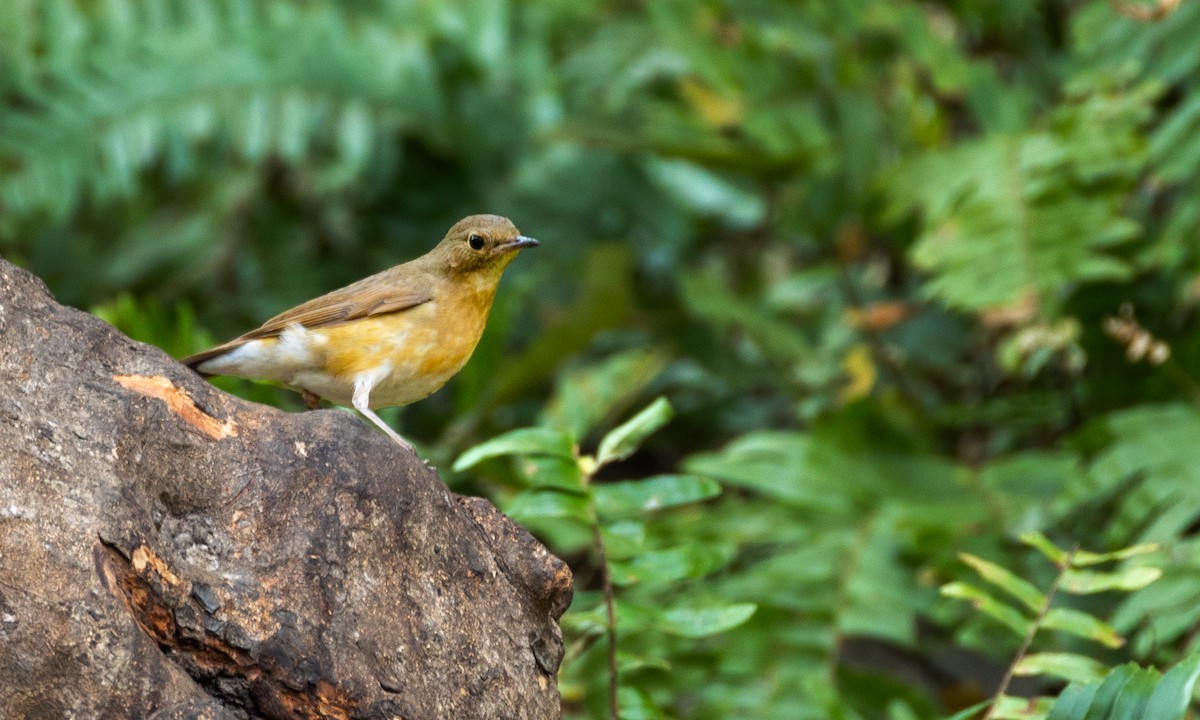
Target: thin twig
{"x": 1033, "y": 629}
{"x": 610, "y": 608}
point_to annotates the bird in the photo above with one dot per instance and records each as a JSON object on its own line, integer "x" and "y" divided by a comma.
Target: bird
{"x": 393, "y": 338}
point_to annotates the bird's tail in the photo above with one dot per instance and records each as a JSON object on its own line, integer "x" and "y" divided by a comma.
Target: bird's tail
{"x": 196, "y": 360}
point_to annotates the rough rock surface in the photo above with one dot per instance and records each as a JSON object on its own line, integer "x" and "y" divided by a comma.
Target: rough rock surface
{"x": 170, "y": 551}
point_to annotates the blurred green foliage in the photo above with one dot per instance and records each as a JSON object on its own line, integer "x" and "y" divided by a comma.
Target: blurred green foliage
{"x": 917, "y": 277}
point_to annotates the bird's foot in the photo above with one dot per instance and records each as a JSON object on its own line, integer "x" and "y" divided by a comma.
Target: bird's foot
{"x": 311, "y": 400}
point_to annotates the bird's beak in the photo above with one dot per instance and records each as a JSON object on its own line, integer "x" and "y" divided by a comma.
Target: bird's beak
{"x": 520, "y": 242}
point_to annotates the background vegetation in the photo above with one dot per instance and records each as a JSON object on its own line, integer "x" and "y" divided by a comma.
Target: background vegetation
{"x": 919, "y": 279}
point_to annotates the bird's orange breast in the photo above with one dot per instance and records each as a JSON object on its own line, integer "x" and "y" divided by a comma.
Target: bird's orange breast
{"x": 422, "y": 347}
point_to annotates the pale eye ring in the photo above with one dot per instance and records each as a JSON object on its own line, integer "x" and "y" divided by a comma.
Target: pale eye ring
{"x": 476, "y": 242}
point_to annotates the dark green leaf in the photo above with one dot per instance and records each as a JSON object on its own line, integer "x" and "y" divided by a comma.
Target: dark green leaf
{"x": 627, "y": 663}
{"x": 1022, "y": 590}
{"x": 1043, "y": 545}
{"x": 623, "y": 539}
{"x": 548, "y": 471}
{"x": 1082, "y": 625}
{"x": 1174, "y": 694}
{"x": 655, "y": 493}
{"x": 587, "y": 395}
{"x": 702, "y": 622}
{"x": 533, "y": 504}
{"x": 1131, "y": 692}
{"x": 1067, "y": 666}
{"x": 623, "y": 440}
{"x": 1008, "y": 707}
{"x": 989, "y": 606}
{"x": 1074, "y": 702}
{"x": 1086, "y": 582}
{"x": 1082, "y": 557}
{"x": 662, "y": 566}
{"x": 524, "y": 441}
{"x": 637, "y": 705}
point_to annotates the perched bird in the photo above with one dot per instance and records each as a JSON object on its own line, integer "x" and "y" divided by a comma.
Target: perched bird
{"x": 390, "y": 339}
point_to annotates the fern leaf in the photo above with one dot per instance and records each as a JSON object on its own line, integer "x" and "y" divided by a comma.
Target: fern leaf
{"x": 265, "y": 80}
{"x": 1131, "y": 693}
{"x": 1013, "y": 218}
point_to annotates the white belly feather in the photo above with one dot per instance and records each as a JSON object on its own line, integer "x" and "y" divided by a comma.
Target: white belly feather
{"x": 273, "y": 359}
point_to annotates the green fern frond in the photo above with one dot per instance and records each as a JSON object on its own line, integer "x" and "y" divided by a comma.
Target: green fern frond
{"x": 163, "y": 80}
{"x": 1129, "y": 692}
{"x": 1155, "y": 464}
{"x": 834, "y": 564}
{"x": 1013, "y": 219}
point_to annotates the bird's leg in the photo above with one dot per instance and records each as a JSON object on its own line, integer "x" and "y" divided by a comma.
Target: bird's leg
{"x": 311, "y": 400}
{"x": 361, "y": 399}
{"x": 370, "y": 415}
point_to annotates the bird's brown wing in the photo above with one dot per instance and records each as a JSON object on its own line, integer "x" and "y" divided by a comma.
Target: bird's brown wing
{"x": 340, "y": 306}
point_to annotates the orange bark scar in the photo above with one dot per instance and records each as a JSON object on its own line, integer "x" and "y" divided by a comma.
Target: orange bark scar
{"x": 143, "y": 557}
{"x": 180, "y": 403}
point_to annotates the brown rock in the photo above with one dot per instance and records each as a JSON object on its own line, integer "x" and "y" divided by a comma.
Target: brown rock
{"x": 168, "y": 551}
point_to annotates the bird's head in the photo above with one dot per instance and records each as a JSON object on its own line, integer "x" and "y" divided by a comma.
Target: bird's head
{"x": 481, "y": 244}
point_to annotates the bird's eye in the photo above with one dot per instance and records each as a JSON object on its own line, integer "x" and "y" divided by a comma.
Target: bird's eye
{"x": 476, "y": 242}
